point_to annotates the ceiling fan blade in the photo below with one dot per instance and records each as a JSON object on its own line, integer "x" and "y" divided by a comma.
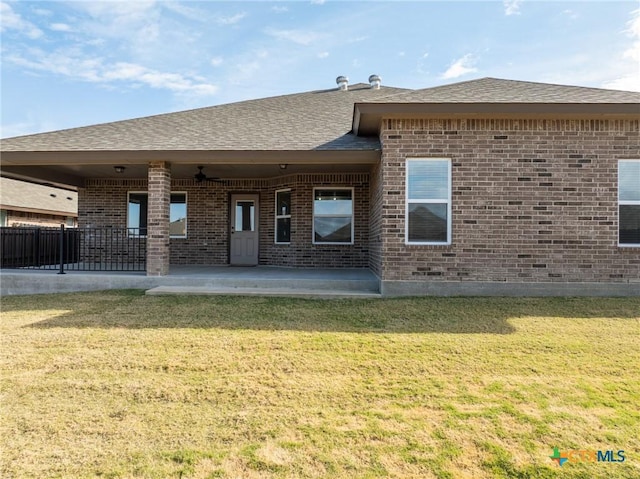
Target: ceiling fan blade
{"x": 200, "y": 176}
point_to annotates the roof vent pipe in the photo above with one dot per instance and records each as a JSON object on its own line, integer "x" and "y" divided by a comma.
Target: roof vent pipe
{"x": 343, "y": 83}
{"x": 374, "y": 81}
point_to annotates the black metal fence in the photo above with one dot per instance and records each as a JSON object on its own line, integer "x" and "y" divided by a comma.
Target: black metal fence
{"x": 76, "y": 249}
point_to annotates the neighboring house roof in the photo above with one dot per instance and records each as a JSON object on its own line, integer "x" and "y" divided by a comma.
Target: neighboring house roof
{"x": 18, "y": 195}
{"x": 317, "y": 120}
{"x": 494, "y": 90}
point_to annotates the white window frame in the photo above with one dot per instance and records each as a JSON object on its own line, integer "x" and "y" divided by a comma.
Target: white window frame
{"x": 186, "y": 203}
{"x": 428, "y": 201}
{"x": 281, "y": 216}
{"x": 624, "y": 203}
{"x": 352, "y": 216}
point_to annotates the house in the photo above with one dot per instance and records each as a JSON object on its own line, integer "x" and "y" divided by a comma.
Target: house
{"x": 484, "y": 185}
{"x": 29, "y": 204}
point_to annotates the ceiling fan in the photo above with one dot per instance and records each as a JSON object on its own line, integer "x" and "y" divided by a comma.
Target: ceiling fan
{"x": 200, "y": 176}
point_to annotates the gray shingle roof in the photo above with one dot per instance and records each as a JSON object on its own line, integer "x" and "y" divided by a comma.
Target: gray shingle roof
{"x": 494, "y": 90}
{"x": 23, "y": 196}
{"x": 317, "y": 120}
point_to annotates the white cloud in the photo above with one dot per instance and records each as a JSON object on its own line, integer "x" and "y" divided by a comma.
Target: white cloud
{"x": 60, "y": 64}
{"x": 421, "y": 67}
{"x": 359, "y": 39}
{"x": 121, "y": 9}
{"x": 460, "y": 67}
{"x": 95, "y": 70}
{"x": 148, "y": 34}
{"x": 633, "y": 52}
{"x": 512, "y": 7}
{"x": 425, "y": 55}
{"x": 96, "y": 42}
{"x": 232, "y": 20}
{"x": 156, "y": 34}
{"x": 167, "y": 81}
{"x": 323, "y": 54}
{"x": 60, "y": 27}
{"x": 184, "y": 10}
{"x": 28, "y": 127}
{"x": 245, "y": 71}
{"x": 118, "y": 16}
{"x": 628, "y": 83}
{"x": 13, "y": 21}
{"x": 134, "y": 22}
{"x": 253, "y": 64}
{"x": 301, "y": 37}
{"x": 317, "y": 2}
{"x": 217, "y": 61}
{"x": 630, "y": 79}
{"x": 279, "y": 9}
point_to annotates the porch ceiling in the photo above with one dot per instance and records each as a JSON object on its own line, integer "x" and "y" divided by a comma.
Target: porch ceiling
{"x": 74, "y": 174}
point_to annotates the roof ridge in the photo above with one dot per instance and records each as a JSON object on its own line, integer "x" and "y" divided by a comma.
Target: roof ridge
{"x": 565, "y": 85}
{"x": 410, "y": 90}
{"x": 500, "y": 89}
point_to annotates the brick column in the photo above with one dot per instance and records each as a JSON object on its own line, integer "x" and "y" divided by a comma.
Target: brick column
{"x": 158, "y": 218}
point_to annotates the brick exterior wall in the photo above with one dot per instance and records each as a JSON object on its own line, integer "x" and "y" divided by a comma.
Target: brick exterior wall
{"x": 532, "y": 200}
{"x": 301, "y": 252}
{"x": 375, "y": 220}
{"x": 101, "y": 204}
{"x": 104, "y": 203}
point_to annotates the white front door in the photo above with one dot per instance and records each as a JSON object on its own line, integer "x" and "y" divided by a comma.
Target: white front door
{"x": 244, "y": 230}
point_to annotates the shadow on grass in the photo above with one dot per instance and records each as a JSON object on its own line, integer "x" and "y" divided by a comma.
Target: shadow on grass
{"x": 131, "y": 309}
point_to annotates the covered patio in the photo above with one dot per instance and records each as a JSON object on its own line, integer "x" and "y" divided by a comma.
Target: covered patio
{"x": 284, "y": 181}
{"x": 197, "y": 279}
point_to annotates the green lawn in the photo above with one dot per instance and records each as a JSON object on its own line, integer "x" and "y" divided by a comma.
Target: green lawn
{"x": 119, "y": 385}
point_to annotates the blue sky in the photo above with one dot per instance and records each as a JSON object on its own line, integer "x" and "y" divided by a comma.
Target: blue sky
{"x": 75, "y": 63}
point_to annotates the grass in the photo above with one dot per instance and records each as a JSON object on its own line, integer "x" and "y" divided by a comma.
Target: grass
{"x": 119, "y": 385}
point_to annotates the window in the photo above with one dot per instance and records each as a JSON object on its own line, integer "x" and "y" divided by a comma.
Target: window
{"x": 245, "y": 216}
{"x": 3, "y": 218}
{"x": 428, "y": 218}
{"x": 137, "y": 214}
{"x": 629, "y": 202}
{"x": 333, "y": 215}
{"x": 283, "y": 217}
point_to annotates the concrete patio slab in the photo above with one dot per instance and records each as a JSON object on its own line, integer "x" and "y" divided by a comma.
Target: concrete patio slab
{"x": 279, "y": 292}
{"x": 213, "y": 277}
